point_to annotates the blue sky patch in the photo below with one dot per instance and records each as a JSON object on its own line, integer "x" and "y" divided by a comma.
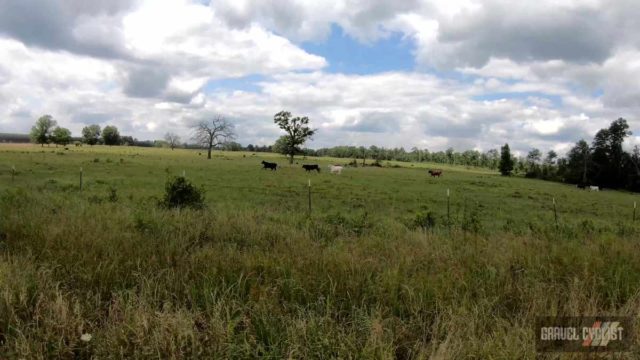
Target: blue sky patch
{"x": 346, "y": 55}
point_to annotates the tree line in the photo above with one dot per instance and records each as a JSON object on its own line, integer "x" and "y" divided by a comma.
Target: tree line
{"x": 602, "y": 163}
{"x": 47, "y": 131}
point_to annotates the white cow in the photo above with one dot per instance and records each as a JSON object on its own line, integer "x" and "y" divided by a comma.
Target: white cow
{"x": 594, "y": 188}
{"x": 335, "y": 169}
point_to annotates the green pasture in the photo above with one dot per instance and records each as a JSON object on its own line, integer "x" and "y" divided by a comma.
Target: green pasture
{"x": 378, "y": 270}
{"x": 236, "y": 180}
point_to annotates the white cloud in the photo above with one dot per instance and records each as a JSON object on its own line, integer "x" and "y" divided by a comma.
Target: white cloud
{"x": 549, "y": 72}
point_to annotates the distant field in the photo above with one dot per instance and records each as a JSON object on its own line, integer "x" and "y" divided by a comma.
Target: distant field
{"x": 253, "y": 275}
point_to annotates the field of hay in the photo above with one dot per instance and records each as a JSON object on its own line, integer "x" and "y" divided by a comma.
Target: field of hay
{"x": 379, "y": 268}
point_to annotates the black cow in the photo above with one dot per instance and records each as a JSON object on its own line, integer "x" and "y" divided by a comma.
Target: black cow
{"x": 311, "y": 167}
{"x": 268, "y": 165}
{"x": 435, "y": 173}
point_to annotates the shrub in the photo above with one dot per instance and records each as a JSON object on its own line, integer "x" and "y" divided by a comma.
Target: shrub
{"x": 424, "y": 220}
{"x": 180, "y": 193}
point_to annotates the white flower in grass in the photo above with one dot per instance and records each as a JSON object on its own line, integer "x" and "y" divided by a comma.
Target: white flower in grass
{"x": 86, "y": 337}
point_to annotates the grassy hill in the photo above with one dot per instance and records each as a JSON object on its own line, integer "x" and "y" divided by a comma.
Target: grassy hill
{"x": 379, "y": 269}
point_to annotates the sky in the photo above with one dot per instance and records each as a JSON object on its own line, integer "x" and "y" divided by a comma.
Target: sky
{"x": 432, "y": 74}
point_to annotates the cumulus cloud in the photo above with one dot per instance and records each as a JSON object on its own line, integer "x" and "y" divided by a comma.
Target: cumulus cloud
{"x": 540, "y": 74}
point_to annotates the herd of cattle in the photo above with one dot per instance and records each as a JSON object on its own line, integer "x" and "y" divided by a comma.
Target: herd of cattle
{"x": 337, "y": 169}
{"x": 334, "y": 169}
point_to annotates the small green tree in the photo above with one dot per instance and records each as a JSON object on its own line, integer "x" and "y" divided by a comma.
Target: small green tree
{"x": 298, "y": 131}
{"x": 91, "y": 134}
{"x": 180, "y": 193}
{"x": 110, "y": 135}
{"x": 61, "y": 136}
{"x": 41, "y": 131}
{"x": 506, "y": 162}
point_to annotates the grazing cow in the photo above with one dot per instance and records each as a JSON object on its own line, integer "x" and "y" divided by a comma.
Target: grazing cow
{"x": 311, "y": 167}
{"x": 594, "y": 188}
{"x": 435, "y": 173}
{"x": 336, "y": 169}
{"x": 268, "y": 165}
{"x": 581, "y": 186}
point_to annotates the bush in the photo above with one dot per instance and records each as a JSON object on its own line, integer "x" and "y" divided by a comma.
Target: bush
{"x": 424, "y": 220}
{"x": 180, "y": 193}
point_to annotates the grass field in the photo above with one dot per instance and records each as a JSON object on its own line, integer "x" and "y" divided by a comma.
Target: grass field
{"x": 253, "y": 275}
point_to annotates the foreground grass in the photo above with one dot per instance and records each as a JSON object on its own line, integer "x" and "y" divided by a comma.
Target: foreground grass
{"x": 253, "y": 276}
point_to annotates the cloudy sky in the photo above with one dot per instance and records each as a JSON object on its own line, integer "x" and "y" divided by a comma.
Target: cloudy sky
{"x": 426, "y": 73}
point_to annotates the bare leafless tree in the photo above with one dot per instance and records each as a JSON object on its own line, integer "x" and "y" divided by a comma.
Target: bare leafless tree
{"x": 214, "y": 132}
{"x": 172, "y": 139}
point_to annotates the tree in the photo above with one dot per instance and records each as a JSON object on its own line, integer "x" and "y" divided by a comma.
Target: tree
{"x": 280, "y": 146}
{"x": 608, "y": 156}
{"x": 128, "y": 140}
{"x": 533, "y": 159}
{"x": 534, "y": 156}
{"x": 61, "y": 136}
{"x": 633, "y": 175}
{"x": 506, "y": 162}
{"x": 551, "y": 158}
{"x": 111, "y": 136}
{"x": 579, "y": 159}
{"x": 172, "y": 139}
{"x": 41, "y": 131}
{"x": 232, "y": 146}
{"x": 450, "y": 155}
{"x": 91, "y": 134}
{"x": 493, "y": 158}
{"x": 212, "y": 133}
{"x": 298, "y": 131}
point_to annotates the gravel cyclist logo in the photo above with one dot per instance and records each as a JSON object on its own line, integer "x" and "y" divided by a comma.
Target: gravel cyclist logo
{"x": 583, "y": 334}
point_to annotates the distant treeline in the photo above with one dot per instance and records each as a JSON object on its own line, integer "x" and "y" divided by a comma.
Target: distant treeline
{"x": 14, "y": 138}
{"x": 603, "y": 163}
{"x": 489, "y": 159}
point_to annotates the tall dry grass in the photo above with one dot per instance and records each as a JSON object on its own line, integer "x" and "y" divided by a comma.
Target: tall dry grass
{"x": 147, "y": 282}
